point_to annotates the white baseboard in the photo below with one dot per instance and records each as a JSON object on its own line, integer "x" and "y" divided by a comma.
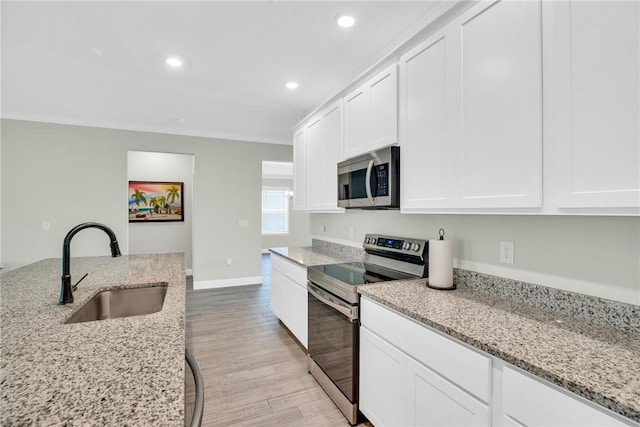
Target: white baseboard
{"x": 225, "y": 283}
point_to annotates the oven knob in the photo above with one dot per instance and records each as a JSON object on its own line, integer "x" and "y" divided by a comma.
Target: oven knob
{"x": 415, "y": 247}
{"x": 366, "y": 240}
{"x": 373, "y": 240}
{"x": 406, "y": 246}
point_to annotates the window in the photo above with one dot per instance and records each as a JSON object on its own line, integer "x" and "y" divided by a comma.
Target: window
{"x": 275, "y": 211}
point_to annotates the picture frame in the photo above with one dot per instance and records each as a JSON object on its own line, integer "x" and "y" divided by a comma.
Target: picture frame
{"x": 156, "y": 201}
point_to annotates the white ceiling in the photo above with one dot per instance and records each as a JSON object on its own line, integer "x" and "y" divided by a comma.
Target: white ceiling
{"x": 238, "y": 56}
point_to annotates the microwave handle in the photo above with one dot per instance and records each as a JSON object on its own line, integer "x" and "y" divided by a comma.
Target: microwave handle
{"x": 367, "y": 185}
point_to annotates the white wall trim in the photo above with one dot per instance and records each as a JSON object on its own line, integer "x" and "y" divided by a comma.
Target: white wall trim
{"x": 601, "y": 290}
{"x": 225, "y": 283}
{"x": 131, "y": 127}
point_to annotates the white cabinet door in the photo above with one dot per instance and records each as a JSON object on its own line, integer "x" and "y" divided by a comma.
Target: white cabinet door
{"x": 498, "y": 106}
{"x": 299, "y": 182}
{"x": 383, "y": 381}
{"x": 299, "y": 311}
{"x": 434, "y": 401}
{"x": 371, "y": 114}
{"x": 356, "y": 106}
{"x": 332, "y": 153}
{"x": 533, "y": 403}
{"x": 383, "y": 116}
{"x": 426, "y": 88}
{"x": 276, "y": 292}
{"x": 592, "y": 53}
{"x": 314, "y": 165}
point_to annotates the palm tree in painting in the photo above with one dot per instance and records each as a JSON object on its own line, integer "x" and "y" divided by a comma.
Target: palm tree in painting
{"x": 162, "y": 201}
{"x": 173, "y": 193}
{"x": 153, "y": 202}
{"x": 139, "y": 197}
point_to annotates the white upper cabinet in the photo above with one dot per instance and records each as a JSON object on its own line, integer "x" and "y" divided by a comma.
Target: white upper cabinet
{"x": 371, "y": 114}
{"x": 323, "y": 142}
{"x": 426, "y": 105}
{"x": 299, "y": 182}
{"x": 313, "y": 165}
{"x": 592, "y": 55}
{"x": 498, "y": 106}
{"x": 471, "y": 113}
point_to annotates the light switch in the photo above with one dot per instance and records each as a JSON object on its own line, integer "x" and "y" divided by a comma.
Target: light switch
{"x": 243, "y": 223}
{"x": 46, "y": 225}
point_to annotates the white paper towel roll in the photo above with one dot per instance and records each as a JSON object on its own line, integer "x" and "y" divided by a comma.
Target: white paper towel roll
{"x": 441, "y": 264}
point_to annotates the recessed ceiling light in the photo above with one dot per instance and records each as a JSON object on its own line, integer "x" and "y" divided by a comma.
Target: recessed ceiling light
{"x": 174, "y": 61}
{"x": 345, "y": 21}
{"x": 291, "y": 85}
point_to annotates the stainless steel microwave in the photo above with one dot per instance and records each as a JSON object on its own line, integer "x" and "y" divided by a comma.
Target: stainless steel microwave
{"x": 370, "y": 181}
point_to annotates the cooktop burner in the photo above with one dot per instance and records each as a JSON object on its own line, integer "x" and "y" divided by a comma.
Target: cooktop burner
{"x": 360, "y": 273}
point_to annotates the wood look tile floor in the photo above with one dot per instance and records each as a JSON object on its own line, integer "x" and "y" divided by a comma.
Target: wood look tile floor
{"x": 255, "y": 373}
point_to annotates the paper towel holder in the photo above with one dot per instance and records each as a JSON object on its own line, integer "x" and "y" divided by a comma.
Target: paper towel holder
{"x": 439, "y": 252}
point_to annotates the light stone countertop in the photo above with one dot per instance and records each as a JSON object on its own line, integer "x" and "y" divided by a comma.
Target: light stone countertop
{"x": 126, "y": 371}
{"x": 597, "y": 362}
{"x": 308, "y": 256}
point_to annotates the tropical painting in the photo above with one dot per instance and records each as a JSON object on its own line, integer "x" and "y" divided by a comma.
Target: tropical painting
{"x": 151, "y": 201}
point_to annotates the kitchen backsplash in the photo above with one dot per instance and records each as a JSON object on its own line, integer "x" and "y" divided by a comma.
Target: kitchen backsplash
{"x": 598, "y": 310}
{"x": 342, "y": 251}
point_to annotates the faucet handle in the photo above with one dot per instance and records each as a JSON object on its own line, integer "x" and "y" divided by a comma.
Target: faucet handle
{"x": 75, "y": 287}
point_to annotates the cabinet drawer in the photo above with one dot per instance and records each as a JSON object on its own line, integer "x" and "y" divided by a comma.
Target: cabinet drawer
{"x": 464, "y": 367}
{"x": 294, "y": 271}
{"x": 532, "y": 402}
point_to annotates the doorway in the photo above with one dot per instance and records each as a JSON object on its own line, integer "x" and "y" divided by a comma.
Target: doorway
{"x": 163, "y": 237}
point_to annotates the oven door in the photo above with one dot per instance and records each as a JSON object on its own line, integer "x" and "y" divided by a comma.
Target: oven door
{"x": 333, "y": 339}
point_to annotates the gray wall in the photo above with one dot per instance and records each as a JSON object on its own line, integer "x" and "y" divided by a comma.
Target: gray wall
{"x": 592, "y": 255}
{"x": 70, "y": 174}
{"x": 299, "y": 223}
{"x": 163, "y": 237}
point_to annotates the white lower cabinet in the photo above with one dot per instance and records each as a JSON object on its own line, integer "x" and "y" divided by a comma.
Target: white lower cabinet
{"x": 289, "y": 296}
{"x": 412, "y": 375}
{"x": 526, "y": 401}
{"x": 383, "y": 385}
{"x": 434, "y": 401}
{"x": 400, "y": 387}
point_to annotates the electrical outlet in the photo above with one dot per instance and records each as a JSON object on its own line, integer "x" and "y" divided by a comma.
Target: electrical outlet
{"x": 507, "y": 252}
{"x": 352, "y": 232}
{"x": 46, "y": 225}
{"x": 323, "y": 229}
{"x": 229, "y": 262}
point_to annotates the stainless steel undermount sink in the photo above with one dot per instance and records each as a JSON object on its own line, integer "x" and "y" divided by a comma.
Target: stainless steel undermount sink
{"x": 116, "y": 303}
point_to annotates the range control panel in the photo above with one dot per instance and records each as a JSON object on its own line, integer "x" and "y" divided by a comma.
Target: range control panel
{"x": 403, "y": 245}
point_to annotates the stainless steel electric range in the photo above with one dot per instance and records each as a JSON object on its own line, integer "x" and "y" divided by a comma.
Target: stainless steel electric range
{"x": 334, "y": 316}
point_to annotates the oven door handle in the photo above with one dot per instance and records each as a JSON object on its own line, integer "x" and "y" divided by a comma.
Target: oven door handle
{"x": 350, "y": 312}
{"x": 367, "y": 184}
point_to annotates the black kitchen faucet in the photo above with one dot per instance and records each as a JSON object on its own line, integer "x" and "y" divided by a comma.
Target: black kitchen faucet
{"x": 66, "y": 295}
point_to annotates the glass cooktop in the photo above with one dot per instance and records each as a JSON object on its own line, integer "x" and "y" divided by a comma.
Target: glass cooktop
{"x": 360, "y": 273}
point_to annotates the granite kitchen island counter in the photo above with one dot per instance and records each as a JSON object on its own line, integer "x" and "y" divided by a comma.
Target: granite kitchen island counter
{"x": 126, "y": 371}
{"x": 598, "y": 362}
